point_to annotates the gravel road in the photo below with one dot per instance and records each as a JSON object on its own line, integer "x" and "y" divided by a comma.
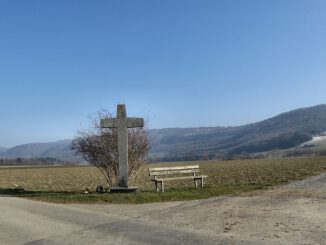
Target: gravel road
{"x": 291, "y": 214}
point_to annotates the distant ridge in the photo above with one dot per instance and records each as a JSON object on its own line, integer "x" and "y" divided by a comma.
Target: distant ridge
{"x": 282, "y": 132}
{"x": 3, "y": 149}
{"x": 59, "y": 150}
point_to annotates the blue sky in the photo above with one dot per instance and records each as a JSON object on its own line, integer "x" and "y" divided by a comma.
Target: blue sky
{"x": 177, "y": 63}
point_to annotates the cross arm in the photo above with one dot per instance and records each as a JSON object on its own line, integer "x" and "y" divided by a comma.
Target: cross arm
{"x": 133, "y": 122}
{"x": 109, "y": 123}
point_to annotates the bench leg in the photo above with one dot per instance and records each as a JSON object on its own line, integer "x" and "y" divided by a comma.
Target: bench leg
{"x": 196, "y": 183}
{"x": 156, "y": 186}
{"x": 202, "y": 182}
{"x": 162, "y": 186}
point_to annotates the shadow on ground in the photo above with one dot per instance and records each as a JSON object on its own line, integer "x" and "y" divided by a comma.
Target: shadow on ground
{"x": 21, "y": 192}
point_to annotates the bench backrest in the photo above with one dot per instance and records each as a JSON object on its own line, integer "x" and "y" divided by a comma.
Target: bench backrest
{"x": 193, "y": 169}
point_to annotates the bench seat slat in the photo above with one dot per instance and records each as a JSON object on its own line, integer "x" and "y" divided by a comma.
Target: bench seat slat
{"x": 174, "y": 168}
{"x": 184, "y": 177}
{"x": 187, "y": 171}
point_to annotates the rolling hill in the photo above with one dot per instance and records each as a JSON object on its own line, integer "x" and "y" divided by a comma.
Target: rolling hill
{"x": 59, "y": 150}
{"x": 316, "y": 146}
{"x": 282, "y": 133}
{"x": 2, "y": 149}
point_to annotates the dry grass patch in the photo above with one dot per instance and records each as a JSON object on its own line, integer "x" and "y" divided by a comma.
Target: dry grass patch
{"x": 68, "y": 179}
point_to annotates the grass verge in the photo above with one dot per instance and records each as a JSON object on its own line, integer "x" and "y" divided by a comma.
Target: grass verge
{"x": 146, "y": 196}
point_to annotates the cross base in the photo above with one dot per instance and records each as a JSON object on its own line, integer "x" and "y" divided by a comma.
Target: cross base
{"x": 132, "y": 189}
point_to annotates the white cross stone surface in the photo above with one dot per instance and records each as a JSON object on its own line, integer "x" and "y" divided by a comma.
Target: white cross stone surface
{"x": 122, "y": 123}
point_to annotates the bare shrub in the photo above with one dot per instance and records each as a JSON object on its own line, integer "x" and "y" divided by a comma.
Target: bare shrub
{"x": 99, "y": 147}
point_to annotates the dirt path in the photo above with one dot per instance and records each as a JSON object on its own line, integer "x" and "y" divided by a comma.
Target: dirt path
{"x": 292, "y": 214}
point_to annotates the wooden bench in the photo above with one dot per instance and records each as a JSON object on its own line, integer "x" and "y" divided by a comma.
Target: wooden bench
{"x": 159, "y": 175}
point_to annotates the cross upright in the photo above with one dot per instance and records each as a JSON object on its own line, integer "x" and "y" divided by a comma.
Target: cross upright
{"x": 122, "y": 123}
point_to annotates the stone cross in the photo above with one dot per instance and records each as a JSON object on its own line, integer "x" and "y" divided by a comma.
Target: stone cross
{"x": 122, "y": 123}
